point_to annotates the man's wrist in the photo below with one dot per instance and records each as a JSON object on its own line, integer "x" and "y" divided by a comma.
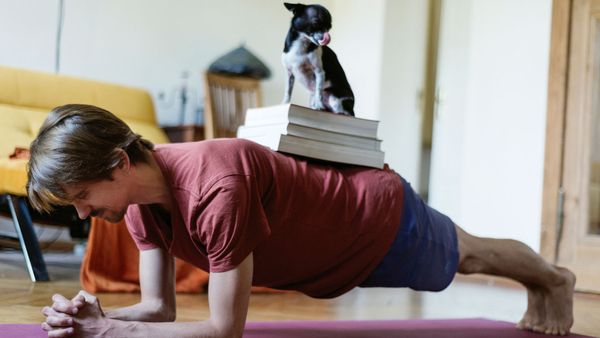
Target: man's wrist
{"x": 119, "y": 328}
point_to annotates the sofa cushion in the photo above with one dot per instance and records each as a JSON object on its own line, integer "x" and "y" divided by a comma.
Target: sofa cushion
{"x": 20, "y": 87}
{"x": 13, "y": 176}
{"x": 18, "y": 127}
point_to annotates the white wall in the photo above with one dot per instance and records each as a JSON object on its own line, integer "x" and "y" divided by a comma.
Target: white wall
{"x": 489, "y": 136}
{"x": 447, "y": 154}
{"x": 402, "y": 80}
{"x": 27, "y": 33}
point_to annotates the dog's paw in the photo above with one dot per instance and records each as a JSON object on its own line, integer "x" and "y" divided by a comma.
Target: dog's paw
{"x": 318, "y": 105}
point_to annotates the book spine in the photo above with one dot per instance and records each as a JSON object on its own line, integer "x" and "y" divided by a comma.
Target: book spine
{"x": 331, "y": 137}
{"x": 331, "y": 152}
{"x": 333, "y": 126}
{"x": 309, "y": 133}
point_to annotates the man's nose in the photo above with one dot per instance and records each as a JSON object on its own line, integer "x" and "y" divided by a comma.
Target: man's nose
{"x": 82, "y": 211}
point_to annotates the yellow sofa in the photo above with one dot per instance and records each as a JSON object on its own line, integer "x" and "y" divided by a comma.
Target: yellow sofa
{"x": 26, "y": 97}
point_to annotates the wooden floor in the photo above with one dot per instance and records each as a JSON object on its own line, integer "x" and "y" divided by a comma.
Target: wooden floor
{"x": 22, "y": 300}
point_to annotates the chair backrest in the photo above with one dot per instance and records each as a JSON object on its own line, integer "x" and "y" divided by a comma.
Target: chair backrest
{"x": 227, "y": 99}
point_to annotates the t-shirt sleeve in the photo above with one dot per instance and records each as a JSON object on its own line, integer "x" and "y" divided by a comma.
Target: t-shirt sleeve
{"x": 231, "y": 221}
{"x": 135, "y": 225}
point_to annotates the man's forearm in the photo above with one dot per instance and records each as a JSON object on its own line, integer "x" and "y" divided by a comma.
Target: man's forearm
{"x": 203, "y": 329}
{"x": 143, "y": 312}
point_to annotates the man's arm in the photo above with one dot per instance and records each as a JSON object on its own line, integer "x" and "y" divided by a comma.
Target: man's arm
{"x": 228, "y": 296}
{"x": 157, "y": 283}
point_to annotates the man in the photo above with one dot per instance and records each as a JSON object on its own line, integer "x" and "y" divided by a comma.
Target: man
{"x": 252, "y": 216}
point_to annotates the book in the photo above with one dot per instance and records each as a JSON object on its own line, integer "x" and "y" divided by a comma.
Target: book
{"x": 292, "y": 129}
{"x": 321, "y": 150}
{"x": 303, "y": 116}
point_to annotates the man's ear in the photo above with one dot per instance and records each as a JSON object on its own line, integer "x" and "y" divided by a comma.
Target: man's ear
{"x": 125, "y": 162}
{"x": 295, "y": 8}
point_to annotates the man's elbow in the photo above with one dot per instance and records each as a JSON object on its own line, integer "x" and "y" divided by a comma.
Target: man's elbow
{"x": 160, "y": 312}
{"x": 232, "y": 333}
{"x": 169, "y": 316}
{"x": 165, "y": 314}
{"x": 227, "y": 330}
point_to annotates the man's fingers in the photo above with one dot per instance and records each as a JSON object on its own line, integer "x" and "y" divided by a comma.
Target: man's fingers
{"x": 88, "y": 297}
{"x": 62, "y": 304}
{"x": 57, "y": 333}
{"x": 56, "y": 321}
{"x": 78, "y": 300}
{"x": 46, "y": 327}
{"x": 48, "y": 311}
{"x": 67, "y": 307}
{"x": 57, "y": 297}
{"x": 92, "y": 300}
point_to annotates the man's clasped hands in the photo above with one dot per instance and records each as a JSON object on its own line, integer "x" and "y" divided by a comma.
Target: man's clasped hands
{"x": 81, "y": 316}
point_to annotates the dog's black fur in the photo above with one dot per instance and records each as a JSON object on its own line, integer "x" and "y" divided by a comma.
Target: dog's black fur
{"x": 307, "y": 58}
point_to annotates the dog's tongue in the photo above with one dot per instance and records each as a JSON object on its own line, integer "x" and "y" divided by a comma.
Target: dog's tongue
{"x": 325, "y": 40}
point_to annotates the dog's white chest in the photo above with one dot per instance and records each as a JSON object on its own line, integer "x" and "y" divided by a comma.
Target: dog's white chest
{"x": 302, "y": 64}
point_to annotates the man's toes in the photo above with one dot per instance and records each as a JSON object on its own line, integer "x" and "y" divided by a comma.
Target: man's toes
{"x": 524, "y": 325}
{"x": 551, "y": 330}
{"x": 562, "y": 331}
{"x": 538, "y": 328}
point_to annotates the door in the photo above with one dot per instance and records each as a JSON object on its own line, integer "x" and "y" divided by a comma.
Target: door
{"x": 578, "y": 236}
{"x": 445, "y": 173}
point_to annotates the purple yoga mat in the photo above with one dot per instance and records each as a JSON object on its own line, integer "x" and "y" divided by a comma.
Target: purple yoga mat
{"x": 420, "y": 328}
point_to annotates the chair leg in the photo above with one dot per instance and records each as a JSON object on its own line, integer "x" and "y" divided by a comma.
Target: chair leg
{"x": 28, "y": 239}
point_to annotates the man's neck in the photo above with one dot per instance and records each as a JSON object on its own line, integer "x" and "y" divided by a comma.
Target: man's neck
{"x": 150, "y": 185}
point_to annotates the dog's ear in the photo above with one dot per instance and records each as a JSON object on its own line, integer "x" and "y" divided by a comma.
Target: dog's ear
{"x": 295, "y": 8}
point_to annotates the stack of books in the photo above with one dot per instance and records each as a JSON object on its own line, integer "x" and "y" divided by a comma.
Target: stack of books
{"x": 298, "y": 130}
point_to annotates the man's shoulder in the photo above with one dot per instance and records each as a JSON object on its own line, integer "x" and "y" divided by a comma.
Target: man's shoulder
{"x": 201, "y": 164}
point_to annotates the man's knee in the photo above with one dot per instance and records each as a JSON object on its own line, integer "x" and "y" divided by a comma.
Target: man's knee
{"x": 470, "y": 251}
{"x": 471, "y": 264}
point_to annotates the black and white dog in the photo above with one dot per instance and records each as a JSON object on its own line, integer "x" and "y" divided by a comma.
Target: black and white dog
{"x": 307, "y": 58}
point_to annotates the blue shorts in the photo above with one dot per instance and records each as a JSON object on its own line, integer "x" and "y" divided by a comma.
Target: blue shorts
{"x": 424, "y": 255}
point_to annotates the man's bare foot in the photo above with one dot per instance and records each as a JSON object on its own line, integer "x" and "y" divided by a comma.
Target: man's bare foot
{"x": 536, "y": 309}
{"x": 559, "y": 306}
{"x": 556, "y": 317}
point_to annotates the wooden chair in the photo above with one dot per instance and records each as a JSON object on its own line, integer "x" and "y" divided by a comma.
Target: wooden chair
{"x": 226, "y": 101}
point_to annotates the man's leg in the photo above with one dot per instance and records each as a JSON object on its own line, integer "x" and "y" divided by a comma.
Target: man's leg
{"x": 549, "y": 288}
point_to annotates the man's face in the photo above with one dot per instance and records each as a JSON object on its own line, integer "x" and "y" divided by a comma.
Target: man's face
{"x": 106, "y": 199}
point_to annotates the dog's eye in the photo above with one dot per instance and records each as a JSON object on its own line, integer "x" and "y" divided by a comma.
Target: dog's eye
{"x": 316, "y": 29}
{"x": 319, "y": 27}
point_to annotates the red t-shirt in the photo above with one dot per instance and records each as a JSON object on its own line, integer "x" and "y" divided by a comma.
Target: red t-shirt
{"x": 313, "y": 227}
